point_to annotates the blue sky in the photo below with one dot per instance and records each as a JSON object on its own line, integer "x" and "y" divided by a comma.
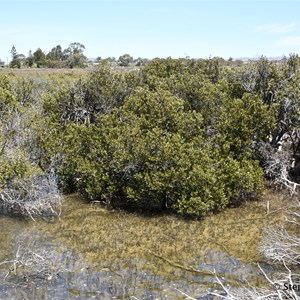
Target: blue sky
{"x": 157, "y": 28}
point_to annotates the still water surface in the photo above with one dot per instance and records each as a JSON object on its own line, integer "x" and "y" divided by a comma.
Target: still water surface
{"x": 93, "y": 253}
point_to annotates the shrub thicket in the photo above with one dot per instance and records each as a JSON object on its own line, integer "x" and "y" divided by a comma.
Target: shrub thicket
{"x": 184, "y": 135}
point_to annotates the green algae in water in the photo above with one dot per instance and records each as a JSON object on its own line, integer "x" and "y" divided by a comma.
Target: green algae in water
{"x": 101, "y": 254}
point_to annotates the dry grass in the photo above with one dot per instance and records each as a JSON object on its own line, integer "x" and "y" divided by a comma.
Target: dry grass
{"x": 39, "y": 72}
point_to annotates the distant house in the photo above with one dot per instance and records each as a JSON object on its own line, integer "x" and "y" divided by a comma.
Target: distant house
{"x": 2, "y": 64}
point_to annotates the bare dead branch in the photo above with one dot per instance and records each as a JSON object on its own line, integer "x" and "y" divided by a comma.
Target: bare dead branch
{"x": 37, "y": 197}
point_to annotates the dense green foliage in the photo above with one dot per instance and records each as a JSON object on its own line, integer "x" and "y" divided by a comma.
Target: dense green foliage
{"x": 183, "y": 135}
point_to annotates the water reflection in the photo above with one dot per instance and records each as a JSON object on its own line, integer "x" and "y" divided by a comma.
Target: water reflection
{"x": 91, "y": 253}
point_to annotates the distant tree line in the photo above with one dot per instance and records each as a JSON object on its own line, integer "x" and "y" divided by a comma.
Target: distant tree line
{"x": 71, "y": 57}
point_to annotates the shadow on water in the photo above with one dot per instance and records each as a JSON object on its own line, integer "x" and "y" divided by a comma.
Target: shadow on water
{"x": 92, "y": 253}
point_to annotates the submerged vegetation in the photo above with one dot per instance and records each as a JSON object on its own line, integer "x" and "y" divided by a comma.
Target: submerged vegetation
{"x": 125, "y": 255}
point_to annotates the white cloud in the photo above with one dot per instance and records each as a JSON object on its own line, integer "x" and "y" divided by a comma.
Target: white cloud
{"x": 276, "y": 28}
{"x": 292, "y": 41}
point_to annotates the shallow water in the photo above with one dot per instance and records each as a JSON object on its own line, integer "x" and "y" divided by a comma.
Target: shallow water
{"x": 92, "y": 253}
